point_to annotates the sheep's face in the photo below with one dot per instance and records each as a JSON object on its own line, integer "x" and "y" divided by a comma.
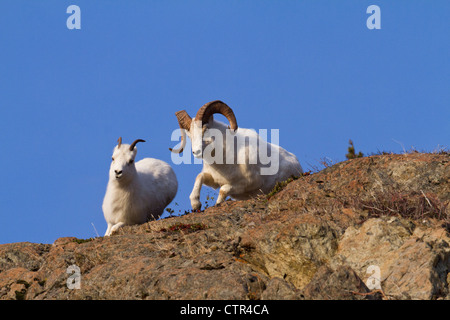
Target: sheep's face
{"x": 201, "y": 137}
{"x": 122, "y": 165}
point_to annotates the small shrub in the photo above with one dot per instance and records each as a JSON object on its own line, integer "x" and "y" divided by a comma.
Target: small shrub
{"x": 80, "y": 241}
{"x": 352, "y": 153}
{"x": 280, "y": 185}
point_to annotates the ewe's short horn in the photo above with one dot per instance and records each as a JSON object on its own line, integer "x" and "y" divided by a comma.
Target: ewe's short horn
{"x": 134, "y": 143}
{"x": 119, "y": 142}
{"x": 184, "y": 121}
{"x": 217, "y": 106}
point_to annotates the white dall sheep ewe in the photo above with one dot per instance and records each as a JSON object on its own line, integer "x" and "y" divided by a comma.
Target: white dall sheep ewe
{"x": 238, "y": 168}
{"x": 136, "y": 192}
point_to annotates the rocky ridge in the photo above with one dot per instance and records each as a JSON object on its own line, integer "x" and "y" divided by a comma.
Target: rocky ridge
{"x": 367, "y": 228}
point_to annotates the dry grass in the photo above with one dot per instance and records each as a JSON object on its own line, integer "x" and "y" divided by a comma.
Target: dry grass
{"x": 414, "y": 205}
{"x": 323, "y": 163}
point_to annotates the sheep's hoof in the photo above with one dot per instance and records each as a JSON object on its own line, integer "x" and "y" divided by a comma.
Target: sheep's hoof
{"x": 115, "y": 229}
{"x": 196, "y": 205}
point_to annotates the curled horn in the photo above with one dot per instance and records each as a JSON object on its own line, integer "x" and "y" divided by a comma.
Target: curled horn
{"x": 183, "y": 143}
{"x": 184, "y": 121}
{"x": 217, "y": 106}
{"x": 119, "y": 141}
{"x": 134, "y": 143}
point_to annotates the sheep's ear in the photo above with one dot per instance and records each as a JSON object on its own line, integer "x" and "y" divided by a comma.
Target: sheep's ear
{"x": 119, "y": 142}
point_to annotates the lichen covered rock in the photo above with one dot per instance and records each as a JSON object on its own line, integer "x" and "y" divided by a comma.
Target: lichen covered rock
{"x": 317, "y": 237}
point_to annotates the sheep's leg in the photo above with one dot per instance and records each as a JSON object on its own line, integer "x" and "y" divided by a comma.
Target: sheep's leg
{"x": 195, "y": 194}
{"x": 116, "y": 227}
{"x": 108, "y": 230}
{"x": 223, "y": 193}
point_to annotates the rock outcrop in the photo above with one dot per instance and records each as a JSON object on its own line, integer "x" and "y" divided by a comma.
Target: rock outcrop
{"x": 367, "y": 228}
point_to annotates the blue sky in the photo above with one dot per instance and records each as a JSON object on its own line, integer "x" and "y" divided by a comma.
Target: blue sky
{"x": 309, "y": 68}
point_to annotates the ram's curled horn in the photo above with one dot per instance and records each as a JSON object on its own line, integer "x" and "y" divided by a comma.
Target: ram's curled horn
{"x": 183, "y": 142}
{"x": 119, "y": 142}
{"x": 134, "y": 143}
{"x": 184, "y": 120}
{"x": 217, "y": 106}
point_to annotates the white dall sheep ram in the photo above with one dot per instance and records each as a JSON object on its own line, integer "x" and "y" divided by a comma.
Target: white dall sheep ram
{"x": 238, "y": 168}
{"x": 136, "y": 192}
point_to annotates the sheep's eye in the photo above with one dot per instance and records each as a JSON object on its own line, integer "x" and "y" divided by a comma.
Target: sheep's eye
{"x": 112, "y": 159}
{"x": 131, "y": 161}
